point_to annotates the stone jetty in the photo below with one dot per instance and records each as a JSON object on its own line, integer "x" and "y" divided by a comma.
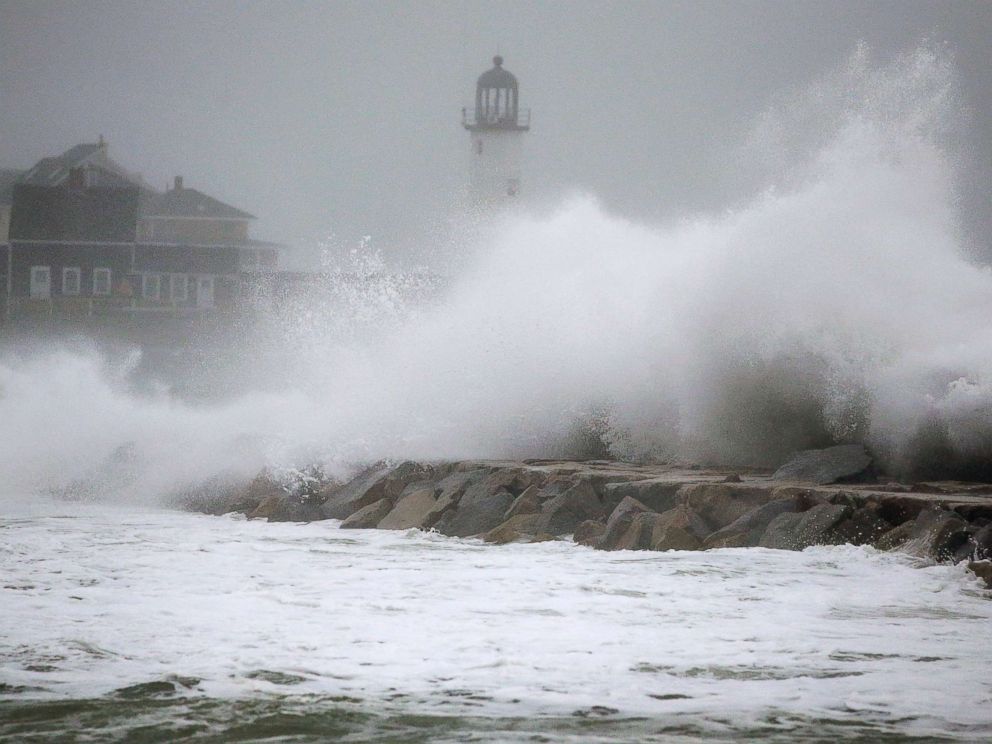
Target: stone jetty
{"x": 821, "y": 497}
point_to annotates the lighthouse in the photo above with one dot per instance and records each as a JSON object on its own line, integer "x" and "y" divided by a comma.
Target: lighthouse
{"x": 496, "y": 125}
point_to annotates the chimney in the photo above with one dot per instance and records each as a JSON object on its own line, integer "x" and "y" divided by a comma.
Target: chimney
{"x": 102, "y": 143}
{"x": 178, "y": 185}
{"x": 76, "y": 179}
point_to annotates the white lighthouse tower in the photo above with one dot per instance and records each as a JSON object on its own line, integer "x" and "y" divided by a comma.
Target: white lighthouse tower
{"x": 497, "y": 126}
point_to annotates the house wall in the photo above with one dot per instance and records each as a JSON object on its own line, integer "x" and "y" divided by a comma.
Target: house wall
{"x": 4, "y": 222}
{"x": 186, "y": 259}
{"x": 63, "y": 213}
{"x": 58, "y": 256}
{"x": 198, "y": 231}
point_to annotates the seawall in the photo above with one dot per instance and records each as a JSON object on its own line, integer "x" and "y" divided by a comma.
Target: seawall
{"x": 614, "y": 505}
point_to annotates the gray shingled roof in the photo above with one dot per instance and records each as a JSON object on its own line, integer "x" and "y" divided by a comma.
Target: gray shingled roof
{"x": 51, "y": 171}
{"x": 186, "y": 202}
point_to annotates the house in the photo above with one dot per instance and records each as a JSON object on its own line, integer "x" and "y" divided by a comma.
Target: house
{"x": 88, "y": 238}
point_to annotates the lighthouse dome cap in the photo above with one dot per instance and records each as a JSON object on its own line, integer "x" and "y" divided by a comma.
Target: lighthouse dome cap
{"x": 497, "y": 77}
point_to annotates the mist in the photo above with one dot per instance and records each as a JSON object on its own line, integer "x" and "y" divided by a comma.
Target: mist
{"x": 838, "y": 305}
{"x": 331, "y": 122}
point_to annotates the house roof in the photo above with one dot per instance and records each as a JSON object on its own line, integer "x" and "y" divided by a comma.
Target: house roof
{"x": 186, "y": 202}
{"x": 52, "y": 171}
{"x": 177, "y": 202}
{"x": 8, "y": 177}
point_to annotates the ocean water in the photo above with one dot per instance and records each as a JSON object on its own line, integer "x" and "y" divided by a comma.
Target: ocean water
{"x": 143, "y": 624}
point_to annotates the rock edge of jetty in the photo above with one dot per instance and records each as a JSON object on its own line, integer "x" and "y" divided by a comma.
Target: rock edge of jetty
{"x": 820, "y": 497}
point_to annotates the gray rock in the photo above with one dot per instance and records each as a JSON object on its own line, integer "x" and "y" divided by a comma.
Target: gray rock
{"x": 368, "y": 516}
{"x": 981, "y": 544}
{"x": 799, "y": 531}
{"x": 614, "y": 536}
{"x": 896, "y": 537}
{"x": 589, "y": 533}
{"x": 366, "y": 488}
{"x": 823, "y": 466}
{"x": 410, "y": 510}
{"x": 863, "y": 527}
{"x": 656, "y": 495}
{"x": 516, "y": 529}
{"x": 937, "y": 534}
{"x": 983, "y": 570}
{"x": 562, "y": 514}
{"x": 721, "y": 504}
{"x": 529, "y": 502}
{"x": 479, "y": 510}
{"x": 676, "y": 529}
{"x": 746, "y": 531}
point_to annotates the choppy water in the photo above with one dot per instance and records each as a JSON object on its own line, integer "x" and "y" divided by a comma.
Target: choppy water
{"x": 154, "y": 625}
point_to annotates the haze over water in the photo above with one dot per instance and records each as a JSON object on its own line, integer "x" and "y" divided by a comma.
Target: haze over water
{"x": 835, "y": 305}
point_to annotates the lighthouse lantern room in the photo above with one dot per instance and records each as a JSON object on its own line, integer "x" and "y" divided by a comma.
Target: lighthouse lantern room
{"x": 496, "y": 124}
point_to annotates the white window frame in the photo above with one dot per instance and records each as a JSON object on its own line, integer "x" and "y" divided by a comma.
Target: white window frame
{"x": 179, "y": 280}
{"x": 102, "y": 271}
{"x": 203, "y": 301}
{"x": 66, "y": 273}
{"x": 149, "y": 280}
{"x": 34, "y": 286}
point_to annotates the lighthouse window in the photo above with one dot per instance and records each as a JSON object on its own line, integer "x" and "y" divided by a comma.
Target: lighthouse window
{"x": 478, "y": 146}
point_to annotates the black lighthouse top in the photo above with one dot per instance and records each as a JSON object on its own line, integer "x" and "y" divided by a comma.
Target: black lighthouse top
{"x": 496, "y": 102}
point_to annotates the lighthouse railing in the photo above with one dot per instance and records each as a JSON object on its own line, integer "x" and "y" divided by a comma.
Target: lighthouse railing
{"x": 472, "y": 119}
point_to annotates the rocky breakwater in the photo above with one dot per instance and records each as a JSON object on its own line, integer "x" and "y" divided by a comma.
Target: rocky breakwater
{"x": 821, "y": 497}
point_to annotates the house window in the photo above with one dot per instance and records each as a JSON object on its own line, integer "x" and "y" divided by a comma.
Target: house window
{"x": 71, "y": 280}
{"x": 180, "y": 288}
{"x": 151, "y": 287}
{"x": 101, "y": 282}
{"x": 41, "y": 282}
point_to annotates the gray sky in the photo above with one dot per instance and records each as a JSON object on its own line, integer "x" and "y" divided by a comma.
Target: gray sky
{"x": 343, "y": 117}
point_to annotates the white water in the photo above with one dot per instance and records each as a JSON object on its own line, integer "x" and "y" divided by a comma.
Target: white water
{"x": 835, "y": 304}
{"x": 97, "y": 599}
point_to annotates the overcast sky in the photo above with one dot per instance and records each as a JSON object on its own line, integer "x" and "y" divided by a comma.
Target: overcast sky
{"x": 343, "y": 118}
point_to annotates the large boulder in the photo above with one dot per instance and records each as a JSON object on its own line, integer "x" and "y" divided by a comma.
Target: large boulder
{"x": 410, "y": 510}
{"x": 983, "y": 570}
{"x": 824, "y": 466}
{"x": 405, "y": 474}
{"x": 617, "y": 526}
{"x": 895, "y": 537}
{"x": 562, "y": 514}
{"x": 529, "y": 502}
{"x": 263, "y": 488}
{"x": 864, "y": 527}
{"x": 520, "y": 528}
{"x": 589, "y": 533}
{"x": 746, "y": 530}
{"x": 366, "y": 488}
{"x": 479, "y": 510}
{"x": 368, "y": 516}
{"x": 676, "y": 529}
{"x": 981, "y": 544}
{"x": 800, "y": 531}
{"x": 656, "y": 495}
{"x": 721, "y": 504}
{"x": 937, "y": 534}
